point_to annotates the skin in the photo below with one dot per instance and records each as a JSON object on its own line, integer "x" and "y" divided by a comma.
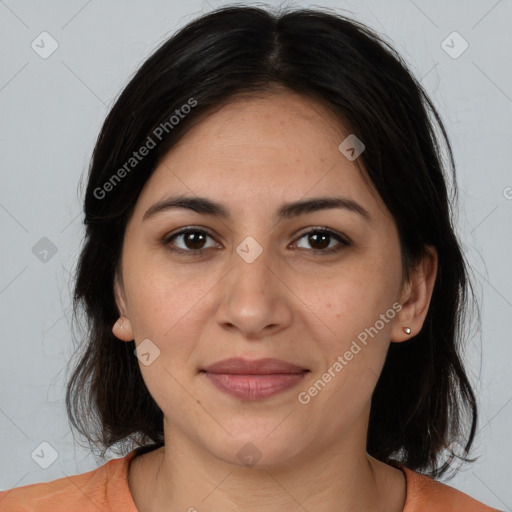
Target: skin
{"x": 291, "y": 303}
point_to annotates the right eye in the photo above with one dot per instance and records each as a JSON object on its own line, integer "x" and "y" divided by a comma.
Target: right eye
{"x": 192, "y": 240}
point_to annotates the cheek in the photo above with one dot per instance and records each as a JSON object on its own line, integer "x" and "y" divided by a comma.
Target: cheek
{"x": 357, "y": 295}
{"x": 357, "y": 308}
{"x": 162, "y": 296}
{"x": 170, "y": 309}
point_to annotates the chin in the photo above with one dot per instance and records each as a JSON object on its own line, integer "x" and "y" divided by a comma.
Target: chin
{"x": 257, "y": 450}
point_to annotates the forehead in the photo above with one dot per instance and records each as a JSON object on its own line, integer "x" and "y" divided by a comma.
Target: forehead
{"x": 262, "y": 148}
{"x": 267, "y": 127}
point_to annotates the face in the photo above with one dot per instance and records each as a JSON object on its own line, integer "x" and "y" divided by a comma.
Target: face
{"x": 317, "y": 288}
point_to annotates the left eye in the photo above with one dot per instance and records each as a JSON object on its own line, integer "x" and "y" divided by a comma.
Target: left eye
{"x": 193, "y": 241}
{"x": 321, "y": 238}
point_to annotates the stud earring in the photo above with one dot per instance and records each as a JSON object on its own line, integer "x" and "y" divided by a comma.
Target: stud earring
{"x": 407, "y": 330}
{"x": 122, "y": 321}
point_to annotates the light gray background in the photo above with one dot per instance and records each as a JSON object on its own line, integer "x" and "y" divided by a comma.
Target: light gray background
{"x": 52, "y": 110}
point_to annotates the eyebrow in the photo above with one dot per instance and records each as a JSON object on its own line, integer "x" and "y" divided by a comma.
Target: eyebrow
{"x": 205, "y": 206}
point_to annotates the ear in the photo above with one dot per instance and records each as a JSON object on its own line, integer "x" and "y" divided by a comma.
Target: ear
{"x": 415, "y": 297}
{"x": 122, "y": 329}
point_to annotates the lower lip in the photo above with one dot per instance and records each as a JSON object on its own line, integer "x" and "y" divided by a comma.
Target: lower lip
{"x": 254, "y": 387}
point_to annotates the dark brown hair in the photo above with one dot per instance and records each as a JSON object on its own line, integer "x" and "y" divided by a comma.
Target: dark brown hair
{"x": 423, "y": 400}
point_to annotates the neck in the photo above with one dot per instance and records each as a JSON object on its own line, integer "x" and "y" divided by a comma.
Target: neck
{"x": 183, "y": 476}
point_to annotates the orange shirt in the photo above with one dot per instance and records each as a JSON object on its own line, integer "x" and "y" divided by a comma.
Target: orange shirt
{"x": 106, "y": 489}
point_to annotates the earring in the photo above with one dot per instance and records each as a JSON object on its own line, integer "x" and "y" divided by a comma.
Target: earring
{"x": 122, "y": 322}
{"x": 407, "y": 330}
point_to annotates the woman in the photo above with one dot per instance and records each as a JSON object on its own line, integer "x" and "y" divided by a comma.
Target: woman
{"x": 273, "y": 287}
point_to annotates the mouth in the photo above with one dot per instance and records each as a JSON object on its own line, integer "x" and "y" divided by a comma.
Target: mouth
{"x": 254, "y": 380}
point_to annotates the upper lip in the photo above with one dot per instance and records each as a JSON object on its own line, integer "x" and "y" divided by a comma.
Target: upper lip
{"x": 241, "y": 366}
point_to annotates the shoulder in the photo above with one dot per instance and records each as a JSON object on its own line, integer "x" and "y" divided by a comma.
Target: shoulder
{"x": 425, "y": 493}
{"x": 104, "y": 488}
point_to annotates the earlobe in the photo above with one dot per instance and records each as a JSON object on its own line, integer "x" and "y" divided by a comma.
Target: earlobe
{"x": 416, "y": 297}
{"x": 122, "y": 329}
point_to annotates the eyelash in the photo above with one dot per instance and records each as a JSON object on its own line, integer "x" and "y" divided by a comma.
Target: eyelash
{"x": 344, "y": 242}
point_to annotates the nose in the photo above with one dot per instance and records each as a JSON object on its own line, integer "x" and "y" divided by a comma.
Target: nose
{"x": 255, "y": 300}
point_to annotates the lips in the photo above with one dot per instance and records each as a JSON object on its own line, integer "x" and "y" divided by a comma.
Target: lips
{"x": 266, "y": 366}
{"x": 254, "y": 380}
